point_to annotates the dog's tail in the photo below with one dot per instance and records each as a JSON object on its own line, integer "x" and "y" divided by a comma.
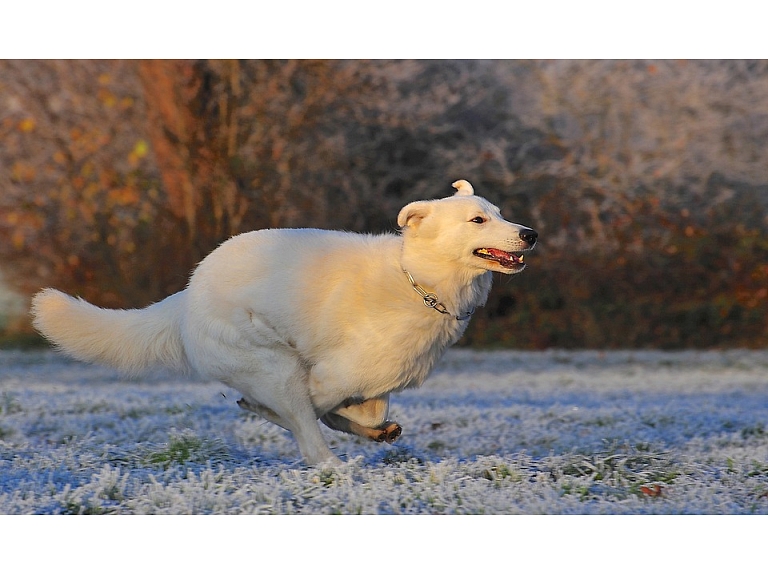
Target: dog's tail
{"x": 129, "y": 340}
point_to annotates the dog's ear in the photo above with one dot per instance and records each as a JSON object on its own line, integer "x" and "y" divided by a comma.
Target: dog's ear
{"x": 413, "y": 213}
{"x": 463, "y": 188}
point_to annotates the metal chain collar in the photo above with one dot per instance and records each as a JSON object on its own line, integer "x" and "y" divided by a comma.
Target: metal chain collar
{"x": 430, "y": 300}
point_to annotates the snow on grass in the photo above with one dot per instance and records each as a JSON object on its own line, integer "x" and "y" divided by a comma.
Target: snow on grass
{"x": 635, "y": 432}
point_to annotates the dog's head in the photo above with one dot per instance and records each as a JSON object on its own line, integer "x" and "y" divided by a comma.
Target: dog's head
{"x": 467, "y": 229}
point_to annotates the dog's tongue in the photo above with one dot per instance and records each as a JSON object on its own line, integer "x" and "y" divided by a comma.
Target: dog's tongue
{"x": 500, "y": 254}
{"x": 504, "y": 258}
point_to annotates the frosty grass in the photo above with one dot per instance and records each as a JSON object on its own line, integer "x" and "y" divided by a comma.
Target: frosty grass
{"x": 635, "y": 432}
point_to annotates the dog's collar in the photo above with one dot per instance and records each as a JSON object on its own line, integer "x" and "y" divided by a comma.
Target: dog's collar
{"x": 430, "y": 300}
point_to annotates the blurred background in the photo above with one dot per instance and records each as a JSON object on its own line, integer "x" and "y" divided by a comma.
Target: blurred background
{"x": 646, "y": 180}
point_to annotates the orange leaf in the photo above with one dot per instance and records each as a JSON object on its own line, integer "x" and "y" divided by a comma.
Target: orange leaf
{"x": 22, "y": 172}
{"x": 17, "y": 239}
{"x": 27, "y": 125}
{"x": 654, "y": 491}
{"x": 124, "y": 196}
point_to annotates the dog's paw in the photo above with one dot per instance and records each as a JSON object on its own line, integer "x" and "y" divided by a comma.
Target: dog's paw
{"x": 389, "y": 432}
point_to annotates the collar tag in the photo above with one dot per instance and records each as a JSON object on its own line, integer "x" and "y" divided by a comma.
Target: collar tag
{"x": 430, "y": 300}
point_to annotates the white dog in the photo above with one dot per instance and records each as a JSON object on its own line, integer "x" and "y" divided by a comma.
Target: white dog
{"x": 310, "y": 324}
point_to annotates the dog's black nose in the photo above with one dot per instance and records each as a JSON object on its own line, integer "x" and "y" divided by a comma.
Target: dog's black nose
{"x": 529, "y": 235}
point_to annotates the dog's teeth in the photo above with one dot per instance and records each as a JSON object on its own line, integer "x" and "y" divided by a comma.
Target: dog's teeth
{"x": 520, "y": 259}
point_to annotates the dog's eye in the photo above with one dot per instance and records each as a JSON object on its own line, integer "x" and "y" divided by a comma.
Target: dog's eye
{"x": 478, "y": 220}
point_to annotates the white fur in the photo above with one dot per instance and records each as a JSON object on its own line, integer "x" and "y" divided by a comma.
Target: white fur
{"x": 306, "y": 323}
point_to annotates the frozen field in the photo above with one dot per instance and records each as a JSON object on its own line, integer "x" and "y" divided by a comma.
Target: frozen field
{"x": 556, "y": 432}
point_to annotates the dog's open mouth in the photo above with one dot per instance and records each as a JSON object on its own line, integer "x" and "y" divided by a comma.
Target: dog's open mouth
{"x": 504, "y": 259}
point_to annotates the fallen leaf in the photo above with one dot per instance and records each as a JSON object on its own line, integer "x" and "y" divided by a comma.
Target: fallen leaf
{"x": 654, "y": 491}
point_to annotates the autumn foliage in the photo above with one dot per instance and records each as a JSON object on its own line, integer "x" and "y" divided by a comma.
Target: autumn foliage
{"x": 645, "y": 180}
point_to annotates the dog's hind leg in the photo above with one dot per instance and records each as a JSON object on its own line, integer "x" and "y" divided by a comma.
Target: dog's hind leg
{"x": 262, "y": 411}
{"x": 302, "y": 423}
{"x": 276, "y": 389}
{"x": 366, "y": 418}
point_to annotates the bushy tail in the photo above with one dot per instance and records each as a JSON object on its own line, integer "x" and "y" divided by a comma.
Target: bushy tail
{"x": 130, "y": 340}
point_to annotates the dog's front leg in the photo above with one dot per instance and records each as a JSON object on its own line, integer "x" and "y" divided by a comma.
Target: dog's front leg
{"x": 367, "y": 418}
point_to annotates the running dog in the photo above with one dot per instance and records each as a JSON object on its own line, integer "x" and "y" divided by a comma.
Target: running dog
{"x": 312, "y": 324}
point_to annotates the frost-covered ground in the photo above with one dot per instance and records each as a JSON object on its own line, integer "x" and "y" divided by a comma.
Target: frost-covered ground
{"x": 556, "y": 432}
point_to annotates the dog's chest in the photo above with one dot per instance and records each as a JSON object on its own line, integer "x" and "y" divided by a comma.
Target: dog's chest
{"x": 406, "y": 358}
